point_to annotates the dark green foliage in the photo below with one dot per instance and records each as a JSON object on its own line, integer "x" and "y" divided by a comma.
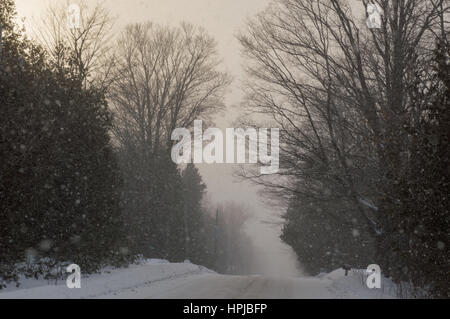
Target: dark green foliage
{"x": 199, "y": 227}
{"x": 59, "y": 181}
{"x": 151, "y": 201}
{"x": 418, "y": 243}
{"x": 164, "y": 213}
{"x": 414, "y": 222}
{"x": 322, "y": 240}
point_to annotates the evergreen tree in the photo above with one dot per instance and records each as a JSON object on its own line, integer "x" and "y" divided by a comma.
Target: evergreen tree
{"x": 59, "y": 182}
{"x": 193, "y": 219}
{"x": 324, "y": 241}
{"x": 421, "y": 239}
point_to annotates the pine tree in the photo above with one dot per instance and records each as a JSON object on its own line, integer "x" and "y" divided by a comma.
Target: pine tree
{"x": 193, "y": 214}
{"x": 59, "y": 181}
{"x": 422, "y": 239}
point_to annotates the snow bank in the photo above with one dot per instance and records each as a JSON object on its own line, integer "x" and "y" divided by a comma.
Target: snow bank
{"x": 354, "y": 285}
{"x": 156, "y": 261}
{"x": 155, "y": 278}
{"x": 109, "y": 282}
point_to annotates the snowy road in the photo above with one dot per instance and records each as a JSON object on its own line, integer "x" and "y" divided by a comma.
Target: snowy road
{"x": 187, "y": 281}
{"x": 213, "y": 286}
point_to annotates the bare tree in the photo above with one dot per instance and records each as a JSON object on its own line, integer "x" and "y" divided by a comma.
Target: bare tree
{"x": 340, "y": 93}
{"x": 87, "y": 45}
{"x": 165, "y": 78}
{"x": 345, "y": 98}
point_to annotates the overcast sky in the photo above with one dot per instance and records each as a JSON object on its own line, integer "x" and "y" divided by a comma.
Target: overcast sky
{"x": 222, "y": 19}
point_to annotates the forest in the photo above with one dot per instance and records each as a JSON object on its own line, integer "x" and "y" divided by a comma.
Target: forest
{"x": 364, "y": 134}
{"x": 86, "y": 175}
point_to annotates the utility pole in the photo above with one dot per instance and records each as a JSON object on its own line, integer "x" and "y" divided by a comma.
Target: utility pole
{"x": 186, "y": 233}
{"x": 0, "y": 42}
{"x": 216, "y": 240}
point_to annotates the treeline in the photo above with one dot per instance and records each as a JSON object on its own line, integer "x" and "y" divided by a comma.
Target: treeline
{"x": 86, "y": 175}
{"x": 59, "y": 181}
{"x": 365, "y": 124}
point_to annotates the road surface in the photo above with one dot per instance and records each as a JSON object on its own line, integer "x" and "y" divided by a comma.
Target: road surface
{"x": 214, "y": 286}
{"x": 188, "y": 281}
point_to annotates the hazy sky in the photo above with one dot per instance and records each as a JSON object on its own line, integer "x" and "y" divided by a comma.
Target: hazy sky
{"x": 222, "y": 19}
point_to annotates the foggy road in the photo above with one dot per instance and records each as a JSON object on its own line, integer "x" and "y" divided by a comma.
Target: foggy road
{"x": 214, "y": 286}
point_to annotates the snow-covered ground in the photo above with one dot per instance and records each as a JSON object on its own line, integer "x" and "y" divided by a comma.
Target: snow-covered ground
{"x": 159, "y": 279}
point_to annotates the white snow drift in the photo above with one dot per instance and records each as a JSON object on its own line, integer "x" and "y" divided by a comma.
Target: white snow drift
{"x": 160, "y": 279}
